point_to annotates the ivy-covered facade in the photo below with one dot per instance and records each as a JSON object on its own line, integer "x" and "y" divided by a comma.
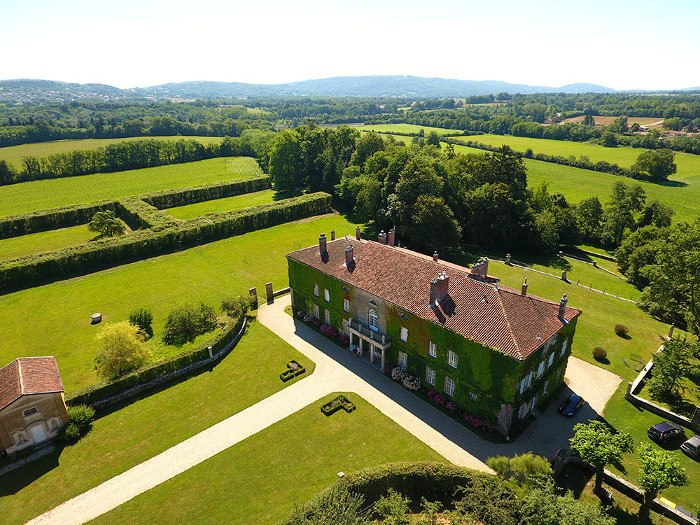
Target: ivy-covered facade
{"x": 379, "y": 295}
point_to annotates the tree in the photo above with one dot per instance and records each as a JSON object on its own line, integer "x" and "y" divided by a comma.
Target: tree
{"x": 656, "y": 164}
{"x": 143, "y": 319}
{"x": 522, "y": 469}
{"x": 599, "y": 446}
{"x": 285, "y": 164}
{"x": 670, "y": 366}
{"x": 335, "y": 506}
{"x": 588, "y": 120}
{"x": 433, "y": 139}
{"x": 433, "y": 226}
{"x": 674, "y": 278}
{"x": 7, "y": 172}
{"x": 589, "y": 217}
{"x": 106, "y": 224}
{"x": 542, "y": 506}
{"x": 620, "y": 211}
{"x": 187, "y": 322}
{"x": 608, "y": 140}
{"x": 659, "y": 470}
{"x": 121, "y": 350}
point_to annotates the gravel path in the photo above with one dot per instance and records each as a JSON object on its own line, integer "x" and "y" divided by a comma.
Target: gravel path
{"x": 339, "y": 371}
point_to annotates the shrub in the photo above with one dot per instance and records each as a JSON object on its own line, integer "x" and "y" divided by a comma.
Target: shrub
{"x": 81, "y": 417}
{"x": 121, "y": 350}
{"x": 70, "y": 433}
{"x": 621, "y": 330}
{"x": 411, "y": 383}
{"x": 398, "y": 374}
{"x": 143, "y": 319}
{"x": 187, "y": 322}
{"x": 599, "y": 353}
{"x": 106, "y": 224}
{"x": 235, "y": 305}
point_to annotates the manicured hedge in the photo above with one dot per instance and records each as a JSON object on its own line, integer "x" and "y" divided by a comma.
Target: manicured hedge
{"x": 140, "y": 214}
{"x": 336, "y": 404}
{"x": 99, "y": 391}
{"x": 44, "y": 220}
{"x": 172, "y": 198}
{"x": 434, "y": 481}
{"x": 33, "y": 269}
{"x": 292, "y": 372}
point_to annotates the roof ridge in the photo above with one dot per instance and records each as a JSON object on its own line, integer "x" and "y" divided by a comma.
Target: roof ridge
{"x": 510, "y": 328}
{"x": 19, "y": 376}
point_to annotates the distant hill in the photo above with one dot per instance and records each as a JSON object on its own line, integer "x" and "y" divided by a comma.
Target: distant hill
{"x": 36, "y": 91}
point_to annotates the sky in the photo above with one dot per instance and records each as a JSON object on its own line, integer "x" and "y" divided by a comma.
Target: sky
{"x": 638, "y": 44}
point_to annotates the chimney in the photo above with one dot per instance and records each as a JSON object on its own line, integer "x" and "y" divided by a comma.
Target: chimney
{"x": 435, "y": 257}
{"x": 349, "y": 257}
{"x": 486, "y": 268}
{"x": 562, "y": 307}
{"x": 332, "y": 235}
{"x": 433, "y": 292}
{"x": 443, "y": 285}
{"x": 524, "y": 290}
{"x": 382, "y": 237}
{"x": 322, "y": 244}
{"x": 392, "y": 237}
{"x": 357, "y": 233}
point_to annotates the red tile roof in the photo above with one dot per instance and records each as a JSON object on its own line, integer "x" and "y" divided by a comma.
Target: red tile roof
{"x": 496, "y": 316}
{"x": 29, "y": 375}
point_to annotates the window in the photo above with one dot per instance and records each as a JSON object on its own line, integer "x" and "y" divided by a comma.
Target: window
{"x": 452, "y": 358}
{"x": 404, "y": 334}
{"x": 346, "y": 305}
{"x": 429, "y": 376}
{"x": 564, "y": 345}
{"x": 316, "y": 290}
{"x": 328, "y": 317}
{"x": 473, "y": 396}
{"x": 525, "y": 382}
{"x": 546, "y": 384}
{"x": 373, "y": 321}
{"x": 432, "y": 349}
{"x": 30, "y": 412}
{"x": 540, "y": 369}
{"x": 551, "y": 359}
{"x": 316, "y": 311}
{"x": 327, "y": 295}
{"x": 403, "y": 360}
{"x": 449, "y": 386}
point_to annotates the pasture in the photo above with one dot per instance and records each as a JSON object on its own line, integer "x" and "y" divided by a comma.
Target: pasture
{"x": 283, "y": 465}
{"x": 406, "y": 128}
{"x": 13, "y": 154}
{"x": 53, "y": 193}
{"x": 148, "y": 425}
{"x": 44, "y": 241}
{"x": 236, "y": 202}
{"x": 54, "y": 319}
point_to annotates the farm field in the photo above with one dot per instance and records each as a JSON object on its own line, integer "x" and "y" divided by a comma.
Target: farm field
{"x": 285, "y": 464}
{"x": 44, "y": 241}
{"x": 14, "y": 154}
{"x": 145, "y": 427}
{"x": 650, "y": 122}
{"x": 223, "y": 205}
{"x": 54, "y": 319}
{"x": 54, "y": 193}
{"x": 406, "y": 128}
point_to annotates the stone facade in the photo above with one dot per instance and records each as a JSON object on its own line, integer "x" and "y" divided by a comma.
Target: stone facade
{"x": 30, "y": 420}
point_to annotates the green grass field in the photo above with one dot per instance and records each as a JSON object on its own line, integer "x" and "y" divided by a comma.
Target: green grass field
{"x": 54, "y": 193}
{"x": 223, "y": 205}
{"x": 406, "y": 128}
{"x": 283, "y": 465}
{"x": 55, "y": 319}
{"x": 149, "y": 425}
{"x": 44, "y": 241}
{"x": 14, "y": 154}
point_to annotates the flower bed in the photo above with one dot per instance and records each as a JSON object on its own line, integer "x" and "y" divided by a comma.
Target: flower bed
{"x": 293, "y": 369}
{"x": 442, "y": 400}
{"x": 325, "y": 329}
{"x": 336, "y": 404}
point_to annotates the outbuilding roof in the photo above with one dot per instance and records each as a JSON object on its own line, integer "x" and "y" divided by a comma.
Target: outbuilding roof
{"x": 487, "y": 313}
{"x": 29, "y": 375}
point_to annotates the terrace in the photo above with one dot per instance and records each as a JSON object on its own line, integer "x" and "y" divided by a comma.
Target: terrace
{"x": 375, "y": 340}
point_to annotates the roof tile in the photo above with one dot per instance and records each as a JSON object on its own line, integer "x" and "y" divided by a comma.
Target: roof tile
{"x": 29, "y": 375}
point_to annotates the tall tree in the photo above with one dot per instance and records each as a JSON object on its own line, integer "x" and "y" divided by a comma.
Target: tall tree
{"x": 285, "y": 164}
{"x": 106, "y": 224}
{"x": 656, "y": 164}
{"x": 670, "y": 366}
{"x": 599, "y": 446}
{"x": 659, "y": 470}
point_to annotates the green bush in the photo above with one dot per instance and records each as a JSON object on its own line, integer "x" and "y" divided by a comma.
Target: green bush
{"x": 622, "y": 330}
{"x": 81, "y": 417}
{"x": 236, "y": 305}
{"x": 219, "y": 190}
{"x": 187, "y": 322}
{"x": 143, "y": 318}
{"x": 93, "y": 393}
{"x": 600, "y": 353}
{"x": 70, "y": 433}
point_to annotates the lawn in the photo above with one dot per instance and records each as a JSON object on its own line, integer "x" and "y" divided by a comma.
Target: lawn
{"x": 285, "y": 464}
{"x": 54, "y": 319}
{"x": 14, "y": 154}
{"x": 149, "y": 425}
{"x": 44, "y": 241}
{"x": 223, "y": 205}
{"x": 44, "y": 194}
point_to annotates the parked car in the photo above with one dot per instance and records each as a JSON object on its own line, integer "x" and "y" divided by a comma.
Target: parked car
{"x": 571, "y": 404}
{"x": 692, "y": 446}
{"x": 663, "y": 432}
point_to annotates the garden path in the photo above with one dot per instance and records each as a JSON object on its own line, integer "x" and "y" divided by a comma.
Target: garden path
{"x": 337, "y": 370}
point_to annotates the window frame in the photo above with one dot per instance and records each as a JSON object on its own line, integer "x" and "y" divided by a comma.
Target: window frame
{"x": 372, "y": 315}
{"x": 316, "y": 290}
{"x": 430, "y": 376}
{"x": 327, "y": 295}
{"x": 403, "y": 356}
{"x": 450, "y": 381}
{"x": 346, "y": 305}
{"x": 452, "y": 356}
{"x": 404, "y": 334}
{"x": 432, "y": 349}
